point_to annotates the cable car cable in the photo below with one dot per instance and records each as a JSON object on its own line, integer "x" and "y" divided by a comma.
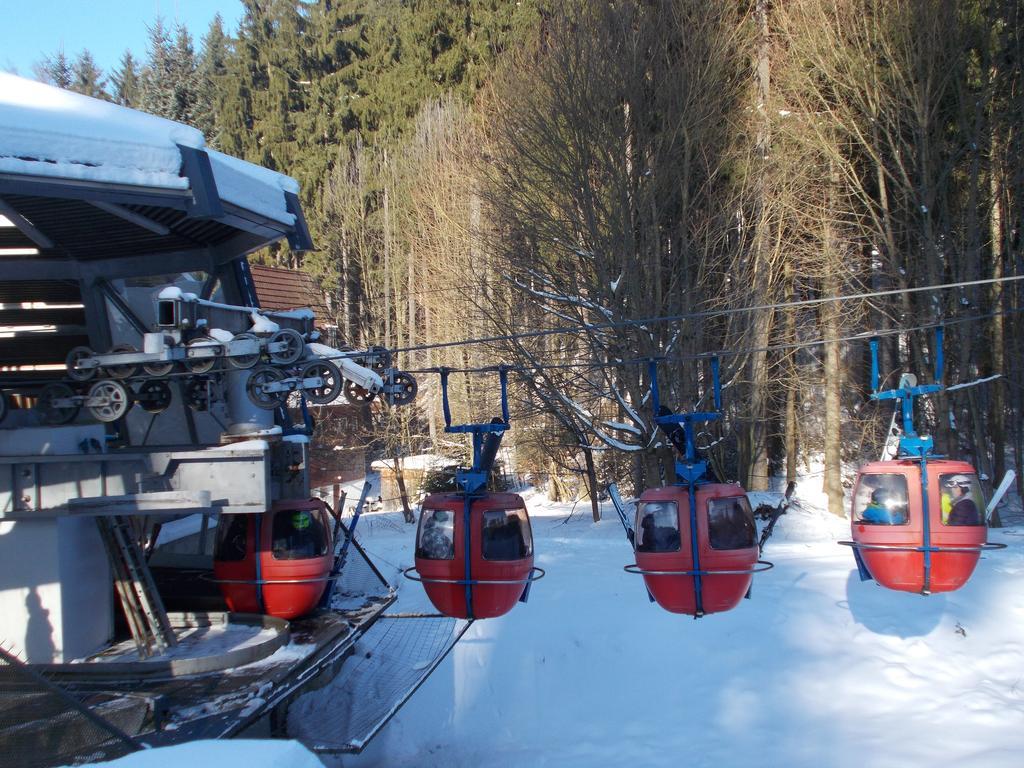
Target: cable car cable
{"x": 860, "y": 336}
{"x": 704, "y": 314}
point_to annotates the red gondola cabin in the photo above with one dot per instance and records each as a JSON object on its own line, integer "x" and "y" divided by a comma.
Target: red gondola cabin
{"x": 497, "y": 565}
{"x": 725, "y": 545}
{"x": 888, "y": 522}
{"x": 276, "y": 563}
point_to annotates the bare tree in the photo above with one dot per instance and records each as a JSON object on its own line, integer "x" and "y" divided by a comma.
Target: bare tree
{"x": 609, "y": 146}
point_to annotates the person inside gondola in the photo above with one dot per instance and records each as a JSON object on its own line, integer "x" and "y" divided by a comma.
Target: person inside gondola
{"x": 884, "y": 509}
{"x": 298, "y": 534}
{"x": 659, "y": 531}
{"x": 962, "y": 509}
{"x": 876, "y": 511}
{"x": 503, "y": 536}
{"x": 436, "y": 542}
{"x": 730, "y": 524}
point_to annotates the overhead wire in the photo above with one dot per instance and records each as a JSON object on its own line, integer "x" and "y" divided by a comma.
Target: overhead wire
{"x": 703, "y": 314}
{"x": 860, "y": 336}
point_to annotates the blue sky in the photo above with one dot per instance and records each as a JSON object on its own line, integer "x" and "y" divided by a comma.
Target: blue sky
{"x": 32, "y": 29}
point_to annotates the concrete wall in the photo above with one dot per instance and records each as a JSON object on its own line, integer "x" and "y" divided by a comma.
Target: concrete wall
{"x": 55, "y": 589}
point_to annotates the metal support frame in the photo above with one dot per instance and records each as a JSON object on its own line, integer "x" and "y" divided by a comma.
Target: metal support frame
{"x": 121, "y": 306}
{"x": 486, "y": 437}
{"x": 913, "y": 445}
{"x": 691, "y": 471}
{"x": 486, "y": 441}
{"x": 94, "y": 303}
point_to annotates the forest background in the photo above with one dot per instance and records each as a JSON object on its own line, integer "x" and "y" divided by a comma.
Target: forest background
{"x": 488, "y": 169}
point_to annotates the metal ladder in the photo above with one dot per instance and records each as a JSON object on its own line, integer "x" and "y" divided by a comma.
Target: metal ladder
{"x": 143, "y": 608}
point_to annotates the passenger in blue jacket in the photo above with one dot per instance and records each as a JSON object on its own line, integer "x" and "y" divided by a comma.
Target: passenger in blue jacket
{"x": 879, "y": 511}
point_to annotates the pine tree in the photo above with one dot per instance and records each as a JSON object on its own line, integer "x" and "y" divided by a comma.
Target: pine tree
{"x": 184, "y": 78}
{"x": 170, "y": 81}
{"x": 233, "y": 94}
{"x": 125, "y": 81}
{"x": 87, "y": 78}
{"x": 156, "y": 92}
{"x": 212, "y": 68}
{"x": 55, "y": 70}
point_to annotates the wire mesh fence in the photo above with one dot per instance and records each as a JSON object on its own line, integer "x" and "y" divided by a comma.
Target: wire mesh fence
{"x": 43, "y": 724}
{"x": 358, "y": 582}
{"x": 388, "y": 664}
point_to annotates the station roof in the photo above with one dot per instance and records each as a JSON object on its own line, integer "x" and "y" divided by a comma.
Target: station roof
{"x": 84, "y": 180}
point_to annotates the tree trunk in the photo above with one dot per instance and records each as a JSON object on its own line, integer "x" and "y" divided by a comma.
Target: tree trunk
{"x": 757, "y": 469}
{"x": 833, "y": 414}
{"x": 595, "y": 507}
{"x": 791, "y": 425}
{"x": 387, "y": 270}
{"x": 403, "y": 494}
{"x": 997, "y": 403}
{"x": 833, "y": 379}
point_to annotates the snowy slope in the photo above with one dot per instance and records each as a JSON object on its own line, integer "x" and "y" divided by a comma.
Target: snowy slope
{"x": 817, "y": 669}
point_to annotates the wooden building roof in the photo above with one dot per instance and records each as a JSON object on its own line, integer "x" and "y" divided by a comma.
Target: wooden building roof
{"x": 289, "y": 289}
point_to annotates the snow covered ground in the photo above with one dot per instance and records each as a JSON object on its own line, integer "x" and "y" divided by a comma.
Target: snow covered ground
{"x": 818, "y": 669}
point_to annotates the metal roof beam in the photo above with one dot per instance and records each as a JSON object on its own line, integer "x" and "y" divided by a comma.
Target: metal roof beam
{"x": 172, "y": 262}
{"x": 195, "y": 164}
{"x": 132, "y": 217}
{"x": 76, "y": 189}
{"x": 240, "y": 245}
{"x": 27, "y": 228}
{"x": 299, "y": 238}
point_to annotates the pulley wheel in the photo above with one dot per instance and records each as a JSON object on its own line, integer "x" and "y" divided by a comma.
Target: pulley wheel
{"x": 154, "y": 396}
{"x": 74, "y": 356}
{"x": 403, "y": 389}
{"x": 197, "y": 394}
{"x": 356, "y": 394}
{"x": 49, "y": 411}
{"x": 121, "y": 371}
{"x": 244, "y": 361}
{"x": 329, "y": 374}
{"x": 158, "y": 369}
{"x": 202, "y": 364}
{"x": 382, "y": 359}
{"x": 293, "y": 349}
{"x": 114, "y": 400}
{"x": 259, "y": 379}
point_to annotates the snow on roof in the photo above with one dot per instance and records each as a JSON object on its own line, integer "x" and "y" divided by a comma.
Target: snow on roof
{"x": 253, "y": 187}
{"x": 47, "y": 131}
